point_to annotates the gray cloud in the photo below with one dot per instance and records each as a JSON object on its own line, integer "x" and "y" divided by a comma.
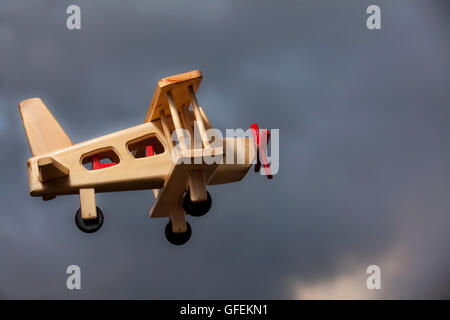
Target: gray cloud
{"x": 363, "y": 118}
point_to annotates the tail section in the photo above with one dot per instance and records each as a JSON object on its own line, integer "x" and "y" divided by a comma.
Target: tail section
{"x": 43, "y": 132}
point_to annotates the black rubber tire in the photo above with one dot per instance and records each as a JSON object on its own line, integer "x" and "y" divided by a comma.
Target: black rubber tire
{"x": 196, "y": 209}
{"x": 89, "y": 225}
{"x": 178, "y": 239}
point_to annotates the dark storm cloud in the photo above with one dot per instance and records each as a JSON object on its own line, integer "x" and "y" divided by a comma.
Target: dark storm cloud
{"x": 363, "y": 118}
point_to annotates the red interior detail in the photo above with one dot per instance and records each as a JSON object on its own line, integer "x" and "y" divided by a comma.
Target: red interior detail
{"x": 106, "y": 165}
{"x": 149, "y": 151}
{"x": 97, "y": 165}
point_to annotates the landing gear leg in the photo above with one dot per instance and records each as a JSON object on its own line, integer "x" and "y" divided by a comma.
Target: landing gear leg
{"x": 89, "y": 218}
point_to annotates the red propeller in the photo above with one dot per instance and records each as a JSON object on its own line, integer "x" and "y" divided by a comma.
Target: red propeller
{"x": 261, "y": 149}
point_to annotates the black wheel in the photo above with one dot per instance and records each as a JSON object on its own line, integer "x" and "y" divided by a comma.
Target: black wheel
{"x": 178, "y": 238}
{"x": 196, "y": 209}
{"x": 89, "y": 225}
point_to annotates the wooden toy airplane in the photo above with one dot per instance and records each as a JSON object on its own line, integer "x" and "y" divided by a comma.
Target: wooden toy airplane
{"x": 137, "y": 158}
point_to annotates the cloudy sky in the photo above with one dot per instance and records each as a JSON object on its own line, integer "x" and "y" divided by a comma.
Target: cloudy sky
{"x": 364, "y": 118}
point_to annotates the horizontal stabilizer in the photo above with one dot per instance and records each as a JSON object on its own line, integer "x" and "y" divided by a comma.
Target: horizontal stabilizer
{"x": 50, "y": 169}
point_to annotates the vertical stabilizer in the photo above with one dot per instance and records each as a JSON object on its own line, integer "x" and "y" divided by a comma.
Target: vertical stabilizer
{"x": 43, "y": 132}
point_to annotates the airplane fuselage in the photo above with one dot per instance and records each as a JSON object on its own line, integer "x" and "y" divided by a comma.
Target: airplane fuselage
{"x": 129, "y": 173}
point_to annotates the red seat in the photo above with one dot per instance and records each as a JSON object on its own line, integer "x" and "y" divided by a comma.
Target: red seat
{"x": 97, "y": 165}
{"x": 149, "y": 151}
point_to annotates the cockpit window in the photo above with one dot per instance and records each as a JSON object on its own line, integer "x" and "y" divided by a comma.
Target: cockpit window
{"x": 100, "y": 159}
{"x": 145, "y": 146}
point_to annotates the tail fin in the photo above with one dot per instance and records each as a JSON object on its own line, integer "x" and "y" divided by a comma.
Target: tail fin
{"x": 43, "y": 132}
